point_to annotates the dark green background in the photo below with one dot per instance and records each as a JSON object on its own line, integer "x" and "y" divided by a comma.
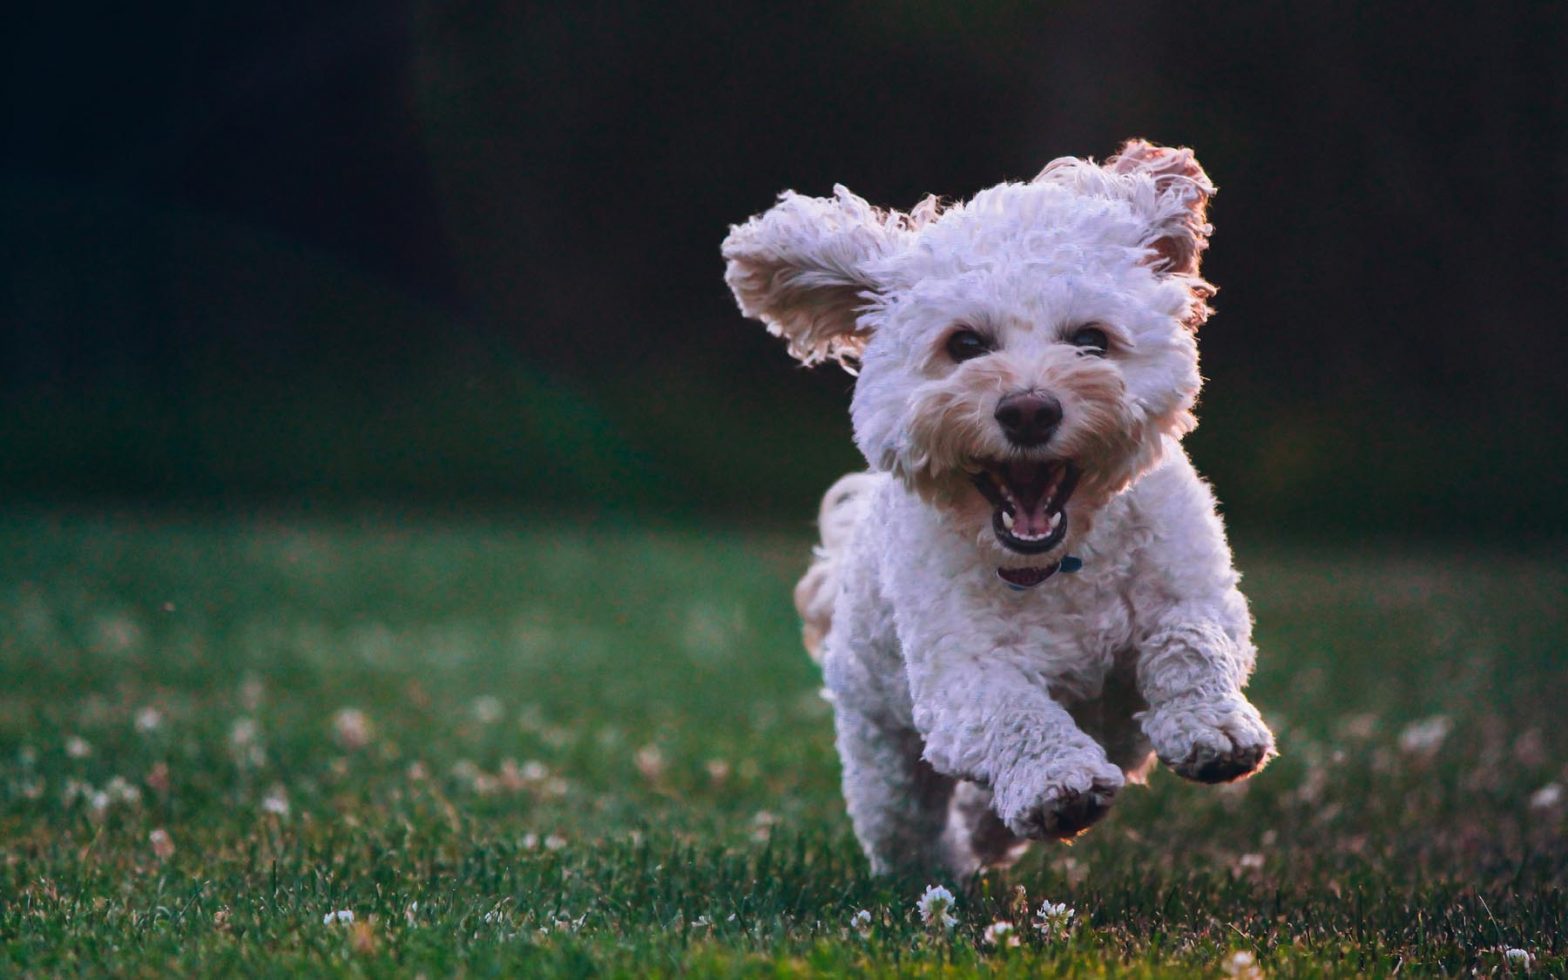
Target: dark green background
{"x": 465, "y": 255}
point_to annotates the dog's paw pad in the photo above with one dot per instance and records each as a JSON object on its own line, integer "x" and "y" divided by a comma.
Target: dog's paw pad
{"x": 1223, "y": 767}
{"x": 1072, "y": 813}
{"x": 1067, "y": 805}
{"x": 1212, "y": 743}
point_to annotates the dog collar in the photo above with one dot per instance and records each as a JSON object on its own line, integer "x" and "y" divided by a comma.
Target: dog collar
{"x": 1028, "y": 578}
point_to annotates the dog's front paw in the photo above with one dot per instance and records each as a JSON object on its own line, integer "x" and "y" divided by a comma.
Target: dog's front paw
{"x": 1060, "y": 800}
{"x": 1210, "y": 740}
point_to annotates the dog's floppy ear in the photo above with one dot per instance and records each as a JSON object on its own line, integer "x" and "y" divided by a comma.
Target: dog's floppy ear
{"x": 802, "y": 268}
{"x": 1175, "y": 198}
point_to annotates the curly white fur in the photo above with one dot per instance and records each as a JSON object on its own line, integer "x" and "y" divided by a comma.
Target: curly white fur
{"x": 971, "y": 716}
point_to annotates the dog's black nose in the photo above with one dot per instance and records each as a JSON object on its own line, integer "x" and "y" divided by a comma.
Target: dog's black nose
{"x": 1028, "y": 417}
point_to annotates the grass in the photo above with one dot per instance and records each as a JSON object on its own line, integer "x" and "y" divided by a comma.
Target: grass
{"x": 544, "y": 750}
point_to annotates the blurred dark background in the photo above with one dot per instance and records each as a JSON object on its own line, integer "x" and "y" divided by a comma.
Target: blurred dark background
{"x": 466, "y": 255}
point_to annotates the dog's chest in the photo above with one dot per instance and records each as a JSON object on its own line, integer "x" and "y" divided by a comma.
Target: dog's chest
{"x": 1070, "y": 631}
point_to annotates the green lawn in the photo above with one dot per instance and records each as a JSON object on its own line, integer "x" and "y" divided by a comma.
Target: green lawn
{"x": 533, "y": 749}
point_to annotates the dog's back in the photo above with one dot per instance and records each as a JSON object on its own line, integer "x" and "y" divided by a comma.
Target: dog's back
{"x": 842, "y": 508}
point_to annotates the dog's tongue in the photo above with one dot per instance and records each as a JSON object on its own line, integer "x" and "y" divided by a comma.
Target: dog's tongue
{"x": 1031, "y": 486}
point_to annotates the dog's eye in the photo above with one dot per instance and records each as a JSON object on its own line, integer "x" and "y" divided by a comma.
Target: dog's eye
{"x": 1092, "y": 340}
{"x": 966, "y": 345}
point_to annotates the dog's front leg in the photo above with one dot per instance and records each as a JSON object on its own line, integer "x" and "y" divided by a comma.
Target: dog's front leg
{"x": 986, "y": 720}
{"x": 1191, "y": 674}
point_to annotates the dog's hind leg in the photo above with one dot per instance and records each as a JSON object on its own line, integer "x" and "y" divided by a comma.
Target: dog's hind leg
{"x": 897, "y": 802}
{"x": 976, "y": 837}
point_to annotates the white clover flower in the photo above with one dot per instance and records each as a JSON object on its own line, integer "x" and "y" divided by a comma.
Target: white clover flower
{"x": 1546, "y": 797}
{"x": 1241, "y": 964}
{"x": 1246, "y": 863}
{"x": 162, "y": 844}
{"x": 700, "y": 922}
{"x": 534, "y": 771}
{"x": 77, "y": 748}
{"x": 242, "y": 734}
{"x": 487, "y": 709}
{"x": 245, "y": 743}
{"x": 276, "y": 802}
{"x": 352, "y": 728}
{"x": 762, "y": 824}
{"x": 1425, "y": 737}
{"x": 1054, "y": 919}
{"x": 343, "y": 916}
{"x": 650, "y": 762}
{"x": 486, "y": 784}
{"x": 861, "y": 921}
{"x": 554, "y": 842}
{"x": 122, "y": 791}
{"x": 934, "y": 905}
{"x": 1000, "y": 934}
{"x": 1520, "y": 958}
{"x": 149, "y": 720}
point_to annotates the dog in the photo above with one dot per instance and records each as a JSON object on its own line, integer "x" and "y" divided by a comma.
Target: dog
{"x": 1029, "y": 597}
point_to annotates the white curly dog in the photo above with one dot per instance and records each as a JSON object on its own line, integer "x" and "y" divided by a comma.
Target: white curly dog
{"x": 1030, "y": 595}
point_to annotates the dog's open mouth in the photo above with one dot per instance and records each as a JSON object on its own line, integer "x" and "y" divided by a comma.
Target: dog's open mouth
{"x": 1030, "y": 497}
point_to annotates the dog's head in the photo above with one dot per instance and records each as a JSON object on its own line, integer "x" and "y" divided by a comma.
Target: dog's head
{"x": 1028, "y": 349}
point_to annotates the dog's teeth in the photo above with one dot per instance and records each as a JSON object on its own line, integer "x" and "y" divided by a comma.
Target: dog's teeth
{"x": 1007, "y": 520}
